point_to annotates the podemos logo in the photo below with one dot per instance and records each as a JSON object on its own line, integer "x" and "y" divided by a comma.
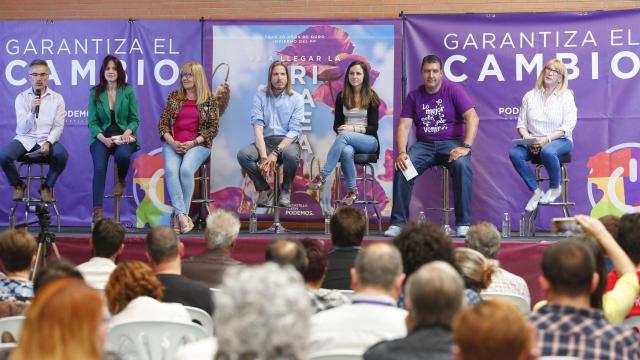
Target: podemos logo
{"x": 614, "y": 173}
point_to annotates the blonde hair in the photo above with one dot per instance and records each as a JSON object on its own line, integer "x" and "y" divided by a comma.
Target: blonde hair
{"x": 476, "y": 269}
{"x": 62, "y": 323}
{"x": 199, "y": 79}
{"x": 492, "y": 330}
{"x": 564, "y": 84}
{"x": 288, "y": 89}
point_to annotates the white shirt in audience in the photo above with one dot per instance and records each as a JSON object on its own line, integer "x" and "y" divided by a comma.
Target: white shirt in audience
{"x": 144, "y": 308}
{"x": 96, "y": 272}
{"x": 203, "y": 349}
{"x": 353, "y": 328}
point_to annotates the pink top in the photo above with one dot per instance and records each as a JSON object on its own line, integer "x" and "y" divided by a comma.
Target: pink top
{"x": 186, "y": 126}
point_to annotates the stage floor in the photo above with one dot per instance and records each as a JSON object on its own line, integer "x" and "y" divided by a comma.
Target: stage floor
{"x": 520, "y": 255}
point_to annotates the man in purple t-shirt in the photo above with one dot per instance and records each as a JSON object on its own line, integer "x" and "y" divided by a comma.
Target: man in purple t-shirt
{"x": 446, "y": 126}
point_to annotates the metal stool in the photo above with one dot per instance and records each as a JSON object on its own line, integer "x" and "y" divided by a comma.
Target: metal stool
{"x": 564, "y": 181}
{"x": 276, "y": 227}
{"x": 445, "y": 209}
{"x": 116, "y": 199}
{"x": 29, "y": 201}
{"x": 202, "y": 196}
{"x": 367, "y": 161}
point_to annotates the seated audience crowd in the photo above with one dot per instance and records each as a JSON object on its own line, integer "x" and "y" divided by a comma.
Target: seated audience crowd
{"x": 418, "y": 297}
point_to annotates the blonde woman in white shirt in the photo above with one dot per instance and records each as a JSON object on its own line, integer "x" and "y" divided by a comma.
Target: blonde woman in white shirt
{"x": 549, "y": 114}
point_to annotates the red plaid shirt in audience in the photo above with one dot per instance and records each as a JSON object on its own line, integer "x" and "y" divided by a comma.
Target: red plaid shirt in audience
{"x": 583, "y": 333}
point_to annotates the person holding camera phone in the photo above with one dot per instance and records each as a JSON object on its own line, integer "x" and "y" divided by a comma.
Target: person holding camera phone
{"x": 548, "y": 116}
{"x": 113, "y": 121}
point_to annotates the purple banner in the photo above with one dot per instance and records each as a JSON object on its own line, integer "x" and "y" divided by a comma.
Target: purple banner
{"x": 152, "y": 52}
{"x": 497, "y": 58}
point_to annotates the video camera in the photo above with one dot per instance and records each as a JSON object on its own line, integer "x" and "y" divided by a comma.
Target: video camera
{"x": 44, "y": 220}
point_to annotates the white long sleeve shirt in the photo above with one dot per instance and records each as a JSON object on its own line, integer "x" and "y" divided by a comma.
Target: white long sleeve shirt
{"x": 542, "y": 117}
{"x": 49, "y": 124}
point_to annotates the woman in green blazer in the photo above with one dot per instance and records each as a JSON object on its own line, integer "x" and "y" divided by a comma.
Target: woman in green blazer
{"x": 113, "y": 121}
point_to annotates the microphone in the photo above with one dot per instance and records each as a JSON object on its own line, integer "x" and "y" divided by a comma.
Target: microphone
{"x": 37, "y": 107}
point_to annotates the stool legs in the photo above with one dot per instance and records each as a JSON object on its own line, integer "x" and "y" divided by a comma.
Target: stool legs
{"x": 29, "y": 201}
{"x": 365, "y": 199}
{"x": 276, "y": 227}
{"x": 445, "y": 209}
{"x": 565, "y": 203}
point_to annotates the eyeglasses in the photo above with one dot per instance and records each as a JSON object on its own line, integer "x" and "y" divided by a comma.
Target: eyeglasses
{"x": 553, "y": 71}
{"x": 186, "y": 75}
{"x": 36, "y": 75}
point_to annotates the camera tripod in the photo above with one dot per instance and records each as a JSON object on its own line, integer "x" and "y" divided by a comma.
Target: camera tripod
{"x": 46, "y": 239}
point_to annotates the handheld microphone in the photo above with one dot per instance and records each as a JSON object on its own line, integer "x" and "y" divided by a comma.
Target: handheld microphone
{"x": 37, "y": 107}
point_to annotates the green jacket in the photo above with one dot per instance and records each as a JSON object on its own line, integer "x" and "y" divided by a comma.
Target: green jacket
{"x": 126, "y": 108}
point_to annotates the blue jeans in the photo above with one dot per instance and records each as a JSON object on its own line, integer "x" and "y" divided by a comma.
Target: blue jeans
{"x": 100, "y": 156}
{"x": 346, "y": 144}
{"x": 248, "y": 158}
{"x": 424, "y": 154}
{"x": 13, "y": 150}
{"x": 549, "y": 156}
{"x": 179, "y": 172}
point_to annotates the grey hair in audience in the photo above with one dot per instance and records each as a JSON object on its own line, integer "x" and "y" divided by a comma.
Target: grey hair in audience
{"x": 434, "y": 294}
{"x": 223, "y": 228}
{"x": 287, "y": 252}
{"x": 485, "y": 238}
{"x": 379, "y": 265}
{"x": 262, "y": 312}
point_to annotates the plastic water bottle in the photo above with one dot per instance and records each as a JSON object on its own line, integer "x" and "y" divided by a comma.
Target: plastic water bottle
{"x": 422, "y": 219}
{"x": 523, "y": 225}
{"x": 327, "y": 223}
{"x": 253, "y": 222}
{"x": 506, "y": 225}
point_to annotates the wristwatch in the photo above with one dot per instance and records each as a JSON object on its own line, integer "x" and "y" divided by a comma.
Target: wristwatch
{"x": 466, "y": 146}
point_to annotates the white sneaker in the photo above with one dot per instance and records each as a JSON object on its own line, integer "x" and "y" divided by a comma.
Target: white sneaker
{"x": 392, "y": 231}
{"x": 535, "y": 199}
{"x": 285, "y": 198}
{"x": 551, "y": 195}
{"x": 462, "y": 230}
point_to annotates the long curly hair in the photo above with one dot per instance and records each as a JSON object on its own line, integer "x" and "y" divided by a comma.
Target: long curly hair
{"x": 128, "y": 281}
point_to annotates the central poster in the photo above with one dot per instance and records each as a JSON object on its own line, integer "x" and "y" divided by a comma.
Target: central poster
{"x": 318, "y": 54}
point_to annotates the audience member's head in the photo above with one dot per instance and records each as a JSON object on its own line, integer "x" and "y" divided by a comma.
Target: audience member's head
{"x": 262, "y": 312}
{"x": 107, "y": 238}
{"x": 17, "y": 250}
{"x": 568, "y": 269}
{"x": 378, "y": 266}
{"x": 347, "y": 227}
{"x": 222, "y": 229}
{"x": 287, "y": 252}
{"x": 434, "y": 293}
{"x": 316, "y": 261}
{"x": 63, "y": 322}
{"x": 485, "y": 238}
{"x": 128, "y": 281}
{"x": 55, "y": 269}
{"x": 629, "y": 236}
{"x": 597, "y": 252}
{"x": 163, "y": 245}
{"x": 612, "y": 224}
{"x": 423, "y": 243}
{"x": 476, "y": 269}
{"x": 492, "y": 330}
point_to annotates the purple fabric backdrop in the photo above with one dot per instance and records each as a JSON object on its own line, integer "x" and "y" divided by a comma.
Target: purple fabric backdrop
{"x": 490, "y": 55}
{"x": 153, "y": 52}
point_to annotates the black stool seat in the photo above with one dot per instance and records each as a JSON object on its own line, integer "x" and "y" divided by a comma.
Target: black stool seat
{"x": 34, "y": 157}
{"x": 565, "y": 159}
{"x": 365, "y": 158}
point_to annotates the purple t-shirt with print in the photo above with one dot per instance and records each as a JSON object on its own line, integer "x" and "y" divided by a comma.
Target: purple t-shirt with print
{"x": 438, "y": 116}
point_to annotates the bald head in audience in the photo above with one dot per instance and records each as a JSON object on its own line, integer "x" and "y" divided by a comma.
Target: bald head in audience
{"x": 378, "y": 269}
{"x": 287, "y": 252}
